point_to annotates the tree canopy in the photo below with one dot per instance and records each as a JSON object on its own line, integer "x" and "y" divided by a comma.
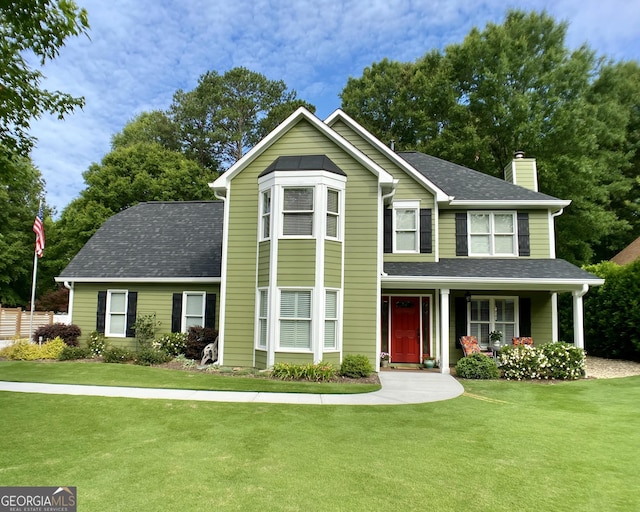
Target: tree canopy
{"x": 516, "y": 86}
{"x": 39, "y": 28}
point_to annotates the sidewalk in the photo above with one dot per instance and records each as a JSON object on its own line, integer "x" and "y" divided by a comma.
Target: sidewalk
{"x": 398, "y": 388}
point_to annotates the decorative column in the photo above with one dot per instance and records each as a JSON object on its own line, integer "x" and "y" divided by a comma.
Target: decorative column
{"x": 444, "y": 331}
{"x": 578, "y": 317}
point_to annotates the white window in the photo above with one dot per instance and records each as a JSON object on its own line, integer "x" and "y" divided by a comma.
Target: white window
{"x": 193, "y": 307}
{"x": 488, "y": 314}
{"x": 297, "y": 211}
{"x": 406, "y": 222}
{"x": 116, "y": 318}
{"x": 331, "y": 320}
{"x": 263, "y": 310}
{"x": 333, "y": 213}
{"x": 295, "y": 319}
{"x": 266, "y": 215}
{"x": 492, "y": 234}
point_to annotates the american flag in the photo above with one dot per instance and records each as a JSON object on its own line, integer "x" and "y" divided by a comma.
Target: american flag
{"x": 38, "y": 229}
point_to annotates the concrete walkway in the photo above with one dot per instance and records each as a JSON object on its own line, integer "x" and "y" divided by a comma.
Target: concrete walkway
{"x": 398, "y": 388}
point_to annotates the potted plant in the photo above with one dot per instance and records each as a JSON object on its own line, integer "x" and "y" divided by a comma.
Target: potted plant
{"x": 428, "y": 361}
{"x": 495, "y": 338}
{"x": 384, "y": 359}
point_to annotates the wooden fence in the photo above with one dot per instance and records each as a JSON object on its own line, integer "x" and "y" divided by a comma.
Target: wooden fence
{"x": 15, "y": 322}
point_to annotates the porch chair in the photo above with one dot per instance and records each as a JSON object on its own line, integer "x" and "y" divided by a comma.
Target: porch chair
{"x": 470, "y": 345}
{"x": 522, "y": 340}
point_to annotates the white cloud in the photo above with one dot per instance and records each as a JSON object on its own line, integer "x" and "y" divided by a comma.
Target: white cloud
{"x": 141, "y": 52}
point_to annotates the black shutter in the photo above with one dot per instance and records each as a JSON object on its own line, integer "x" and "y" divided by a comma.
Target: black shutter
{"x": 524, "y": 307}
{"x": 524, "y": 247}
{"x": 176, "y": 312}
{"x": 102, "y": 311}
{"x": 461, "y": 319}
{"x": 462, "y": 247}
{"x": 388, "y": 235}
{"x": 210, "y": 311}
{"x": 132, "y": 306}
{"x": 425, "y": 230}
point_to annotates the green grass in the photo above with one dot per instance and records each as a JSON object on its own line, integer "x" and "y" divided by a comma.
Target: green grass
{"x": 503, "y": 446}
{"x": 102, "y": 374}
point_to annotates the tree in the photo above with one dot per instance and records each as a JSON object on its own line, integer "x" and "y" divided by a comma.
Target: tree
{"x": 153, "y": 127}
{"x": 38, "y": 27}
{"x": 226, "y": 114}
{"x": 21, "y": 187}
{"x": 126, "y": 176}
{"x": 513, "y": 86}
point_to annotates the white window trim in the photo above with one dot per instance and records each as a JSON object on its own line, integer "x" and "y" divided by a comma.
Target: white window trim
{"x": 282, "y": 212}
{"x": 337, "y": 320}
{"x": 492, "y": 233}
{"x": 183, "y": 319}
{"x": 337, "y": 215}
{"x": 492, "y": 315}
{"x": 257, "y": 330}
{"x": 107, "y": 327}
{"x": 264, "y": 214}
{"x": 406, "y": 205}
{"x": 312, "y": 341}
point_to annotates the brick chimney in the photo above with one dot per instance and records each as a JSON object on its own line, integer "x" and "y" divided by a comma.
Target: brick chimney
{"x": 522, "y": 171}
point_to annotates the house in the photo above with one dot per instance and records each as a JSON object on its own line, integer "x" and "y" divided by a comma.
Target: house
{"x": 325, "y": 242}
{"x": 629, "y": 254}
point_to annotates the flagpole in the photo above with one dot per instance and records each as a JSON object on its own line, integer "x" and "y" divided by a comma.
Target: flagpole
{"x": 33, "y": 292}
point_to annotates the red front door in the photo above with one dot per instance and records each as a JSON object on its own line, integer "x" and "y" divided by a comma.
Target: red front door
{"x": 405, "y": 329}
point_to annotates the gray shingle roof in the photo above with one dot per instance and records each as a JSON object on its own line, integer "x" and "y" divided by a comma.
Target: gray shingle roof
{"x": 154, "y": 240}
{"x": 494, "y": 268}
{"x": 466, "y": 184}
{"x": 303, "y": 163}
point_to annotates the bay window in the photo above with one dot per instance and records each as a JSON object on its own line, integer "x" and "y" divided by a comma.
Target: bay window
{"x": 295, "y": 319}
{"x": 297, "y": 211}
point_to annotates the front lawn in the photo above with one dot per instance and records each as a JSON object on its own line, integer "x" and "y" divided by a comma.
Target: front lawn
{"x": 103, "y": 374}
{"x": 503, "y": 446}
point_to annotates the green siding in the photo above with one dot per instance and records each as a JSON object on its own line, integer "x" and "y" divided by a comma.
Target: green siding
{"x": 261, "y": 359}
{"x": 447, "y": 221}
{"x": 294, "y": 358}
{"x": 264, "y": 258}
{"x": 525, "y": 175}
{"x": 333, "y": 264}
{"x": 153, "y": 299}
{"x": 296, "y": 262}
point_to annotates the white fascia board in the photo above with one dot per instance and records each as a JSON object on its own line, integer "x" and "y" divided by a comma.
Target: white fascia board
{"x": 547, "y": 205}
{"x": 400, "y": 162}
{"x": 224, "y": 179}
{"x": 483, "y": 283}
{"x": 201, "y": 280}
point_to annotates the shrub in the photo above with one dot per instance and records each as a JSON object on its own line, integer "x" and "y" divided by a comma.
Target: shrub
{"x": 197, "y": 339}
{"x": 477, "y": 366}
{"x": 69, "y": 333}
{"x": 173, "y": 344}
{"x": 118, "y": 355}
{"x": 320, "y": 372}
{"x": 522, "y": 362}
{"x": 97, "y": 344}
{"x": 23, "y": 350}
{"x": 149, "y": 356}
{"x": 564, "y": 361}
{"x": 70, "y": 353}
{"x": 145, "y": 330}
{"x": 356, "y": 366}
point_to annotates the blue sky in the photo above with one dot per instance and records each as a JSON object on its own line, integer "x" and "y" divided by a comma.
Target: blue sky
{"x": 139, "y": 52}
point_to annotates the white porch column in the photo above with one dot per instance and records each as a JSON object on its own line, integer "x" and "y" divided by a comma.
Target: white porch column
{"x": 578, "y": 317}
{"x": 444, "y": 331}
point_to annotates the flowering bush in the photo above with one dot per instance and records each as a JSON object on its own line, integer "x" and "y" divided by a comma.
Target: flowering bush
{"x": 97, "y": 344}
{"x": 173, "y": 344}
{"x": 555, "y": 360}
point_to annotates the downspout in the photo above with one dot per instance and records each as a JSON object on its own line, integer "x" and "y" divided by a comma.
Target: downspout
{"x": 69, "y": 286}
{"x": 223, "y": 274}
{"x": 552, "y": 232}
